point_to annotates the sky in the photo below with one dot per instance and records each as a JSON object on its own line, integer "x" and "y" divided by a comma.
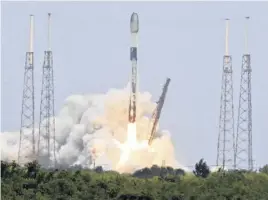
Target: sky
{"x": 180, "y": 40}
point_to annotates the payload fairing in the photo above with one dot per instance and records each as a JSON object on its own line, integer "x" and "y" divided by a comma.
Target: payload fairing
{"x": 134, "y": 29}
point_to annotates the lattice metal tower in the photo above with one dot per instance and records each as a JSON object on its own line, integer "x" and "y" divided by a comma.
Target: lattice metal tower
{"x": 27, "y": 112}
{"x": 47, "y": 115}
{"x": 226, "y": 140}
{"x": 157, "y": 112}
{"x": 243, "y": 153}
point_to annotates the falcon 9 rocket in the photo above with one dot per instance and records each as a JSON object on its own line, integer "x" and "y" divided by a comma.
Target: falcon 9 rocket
{"x": 134, "y": 29}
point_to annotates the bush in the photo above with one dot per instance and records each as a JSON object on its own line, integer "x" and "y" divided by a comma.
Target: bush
{"x": 155, "y": 183}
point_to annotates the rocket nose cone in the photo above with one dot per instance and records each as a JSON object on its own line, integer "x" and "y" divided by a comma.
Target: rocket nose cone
{"x": 134, "y": 23}
{"x": 134, "y": 17}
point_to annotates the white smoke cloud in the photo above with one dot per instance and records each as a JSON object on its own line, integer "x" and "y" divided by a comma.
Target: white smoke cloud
{"x": 86, "y": 128}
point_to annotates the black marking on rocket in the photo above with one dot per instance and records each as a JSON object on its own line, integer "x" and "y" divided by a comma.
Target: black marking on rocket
{"x": 133, "y": 53}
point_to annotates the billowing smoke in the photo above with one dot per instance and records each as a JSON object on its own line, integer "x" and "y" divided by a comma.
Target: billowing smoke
{"x": 86, "y": 128}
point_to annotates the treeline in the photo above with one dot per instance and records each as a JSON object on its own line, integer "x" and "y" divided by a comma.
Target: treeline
{"x": 155, "y": 183}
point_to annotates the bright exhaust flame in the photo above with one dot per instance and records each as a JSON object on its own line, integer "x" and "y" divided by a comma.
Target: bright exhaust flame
{"x": 131, "y": 144}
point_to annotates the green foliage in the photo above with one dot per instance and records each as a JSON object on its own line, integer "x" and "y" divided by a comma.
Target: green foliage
{"x": 155, "y": 183}
{"x": 264, "y": 169}
{"x": 201, "y": 169}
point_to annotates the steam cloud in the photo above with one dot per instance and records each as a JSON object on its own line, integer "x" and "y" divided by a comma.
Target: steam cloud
{"x": 86, "y": 127}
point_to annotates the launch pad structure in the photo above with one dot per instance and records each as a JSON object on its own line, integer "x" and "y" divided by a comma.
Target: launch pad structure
{"x": 157, "y": 113}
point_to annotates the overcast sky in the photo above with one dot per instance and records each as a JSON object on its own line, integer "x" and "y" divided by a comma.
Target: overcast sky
{"x": 183, "y": 41}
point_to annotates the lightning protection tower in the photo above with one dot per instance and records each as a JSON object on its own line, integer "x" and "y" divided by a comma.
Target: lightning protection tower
{"x": 47, "y": 119}
{"x": 225, "y": 147}
{"x": 27, "y": 131}
{"x": 243, "y": 150}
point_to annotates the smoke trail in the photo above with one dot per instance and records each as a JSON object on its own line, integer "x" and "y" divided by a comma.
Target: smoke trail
{"x": 88, "y": 125}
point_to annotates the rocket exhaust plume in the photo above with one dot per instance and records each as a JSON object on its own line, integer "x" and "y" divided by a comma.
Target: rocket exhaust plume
{"x": 88, "y": 130}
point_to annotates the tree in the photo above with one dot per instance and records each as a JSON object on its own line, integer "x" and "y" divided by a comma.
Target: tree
{"x": 201, "y": 169}
{"x": 4, "y": 167}
{"x": 99, "y": 169}
{"x": 264, "y": 169}
{"x": 143, "y": 173}
{"x": 179, "y": 172}
{"x": 174, "y": 184}
{"x": 155, "y": 170}
{"x": 33, "y": 167}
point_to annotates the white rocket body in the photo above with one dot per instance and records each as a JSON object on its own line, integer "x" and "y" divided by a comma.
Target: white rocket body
{"x": 134, "y": 28}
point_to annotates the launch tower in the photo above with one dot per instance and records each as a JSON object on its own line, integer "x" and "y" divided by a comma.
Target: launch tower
{"x": 226, "y": 140}
{"x": 243, "y": 150}
{"x": 47, "y": 116}
{"x": 157, "y": 112}
{"x": 27, "y": 110}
